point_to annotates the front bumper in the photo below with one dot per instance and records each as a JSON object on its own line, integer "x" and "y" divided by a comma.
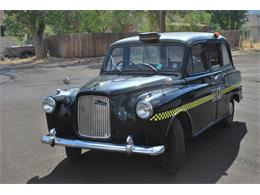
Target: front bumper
{"x": 128, "y": 148}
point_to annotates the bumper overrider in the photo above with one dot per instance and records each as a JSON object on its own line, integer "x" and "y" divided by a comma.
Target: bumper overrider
{"x": 127, "y": 148}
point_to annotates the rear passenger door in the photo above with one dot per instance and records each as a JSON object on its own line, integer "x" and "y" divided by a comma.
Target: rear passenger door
{"x": 215, "y": 63}
{"x": 200, "y": 80}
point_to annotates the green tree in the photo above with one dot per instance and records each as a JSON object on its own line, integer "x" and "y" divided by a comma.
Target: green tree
{"x": 187, "y": 20}
{"x": 79, "y": 21}
{"x": 156, "y": 20}
{"x": 30, "y": 23}
{"x": 125, "y": 21}
{"x": 228, "y": 20}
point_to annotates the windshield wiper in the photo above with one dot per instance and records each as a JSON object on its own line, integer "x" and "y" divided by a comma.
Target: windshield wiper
{"x": 147, "y": 65}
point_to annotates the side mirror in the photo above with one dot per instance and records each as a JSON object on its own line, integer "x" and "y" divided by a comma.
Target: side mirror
{"x": 66, "y": 80}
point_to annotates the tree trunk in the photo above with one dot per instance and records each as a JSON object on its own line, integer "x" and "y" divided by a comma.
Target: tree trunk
{"x": 39, "y": 42}
{"x": 39, "y": 47}
{"x": 232, "y": 20}
{"x": 219, "y": 18}
{"x": 162, "y": 16}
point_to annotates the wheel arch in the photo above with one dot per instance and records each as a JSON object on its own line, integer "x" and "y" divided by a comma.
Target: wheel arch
{"x": 186, "y": 122}
{"x": 235, "y": 97}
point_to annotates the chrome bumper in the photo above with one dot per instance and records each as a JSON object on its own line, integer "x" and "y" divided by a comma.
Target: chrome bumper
{"x": 128, "y": 148}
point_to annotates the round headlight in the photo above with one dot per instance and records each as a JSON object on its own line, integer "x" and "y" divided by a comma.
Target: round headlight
{"x": 144, "y": 109}
{"x": 48, "y": 104}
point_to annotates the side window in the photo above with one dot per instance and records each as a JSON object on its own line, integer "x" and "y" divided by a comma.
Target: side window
{"x": 225, "y": 54}
{"x": 198, "y": 61}
{"x": 214, "y": 55}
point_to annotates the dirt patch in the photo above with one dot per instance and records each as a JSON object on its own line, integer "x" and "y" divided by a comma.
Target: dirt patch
{"x": 51, "y": 61}
{"x": 250, "y": 45}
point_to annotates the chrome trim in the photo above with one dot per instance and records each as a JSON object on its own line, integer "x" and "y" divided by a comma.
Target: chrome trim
{"x": 150, "y": 107}
{"x": 101, "y": 124}
{"x": 128, "y": 148}
{"x": 52, "y": 137}
{"x": 50, "y": 99}
{"x": 129, "y": 144}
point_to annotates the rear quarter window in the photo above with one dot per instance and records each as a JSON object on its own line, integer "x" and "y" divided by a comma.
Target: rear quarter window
{"x": 225, "y": 54}
{"x": 215, "y": 55}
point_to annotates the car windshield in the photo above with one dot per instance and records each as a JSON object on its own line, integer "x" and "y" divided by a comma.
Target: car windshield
{"x": 146, "y": 58}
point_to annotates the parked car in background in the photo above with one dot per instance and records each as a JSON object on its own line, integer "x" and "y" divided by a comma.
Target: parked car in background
{"x": 154, "y": 90}
{"x": 19, "y": 51}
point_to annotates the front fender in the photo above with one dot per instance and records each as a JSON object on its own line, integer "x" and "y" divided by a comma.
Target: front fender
{"x": 185, "y": 120}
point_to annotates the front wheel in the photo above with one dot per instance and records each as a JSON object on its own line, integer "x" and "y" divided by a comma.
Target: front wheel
{"x": 73, "y": 154}
{"x": 174, "y": 155}
{"x": 228, "y": 121}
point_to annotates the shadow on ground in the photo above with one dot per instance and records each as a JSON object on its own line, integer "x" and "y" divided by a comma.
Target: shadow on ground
{"x": 208, "y": 158}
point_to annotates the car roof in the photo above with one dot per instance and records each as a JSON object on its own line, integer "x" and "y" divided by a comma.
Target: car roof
{"x": 181, "y": 37}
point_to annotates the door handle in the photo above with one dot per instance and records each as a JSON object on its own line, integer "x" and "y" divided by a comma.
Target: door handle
{"x": 215, "y": 78}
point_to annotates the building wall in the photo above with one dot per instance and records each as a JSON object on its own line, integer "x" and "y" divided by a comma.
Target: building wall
{"x": 253, "y": 28}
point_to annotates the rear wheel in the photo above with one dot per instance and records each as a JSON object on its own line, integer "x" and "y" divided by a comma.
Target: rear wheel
{"x": 174, "y": 155}
{"x": 73, "y": 154}
{"x": 228, "y": 121}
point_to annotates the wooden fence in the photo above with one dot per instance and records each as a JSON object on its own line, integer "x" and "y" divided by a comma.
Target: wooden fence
{"x": 233, "y": 37}
{"x": 80, "y": 45}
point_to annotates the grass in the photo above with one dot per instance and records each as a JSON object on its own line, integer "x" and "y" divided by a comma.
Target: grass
{"x": 247, "y": 44}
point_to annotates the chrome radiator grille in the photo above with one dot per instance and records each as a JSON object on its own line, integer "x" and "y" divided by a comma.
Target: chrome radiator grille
{"x": 94, "y": 116}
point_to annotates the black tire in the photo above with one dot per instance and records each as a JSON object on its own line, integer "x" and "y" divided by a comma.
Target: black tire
{"x": 174, "y": 155}
{"x": 228, "y": 121}
{"x": 73, "y": 154}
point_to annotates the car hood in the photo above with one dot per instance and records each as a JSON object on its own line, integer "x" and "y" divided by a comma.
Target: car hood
{"x": 118, "y": 84}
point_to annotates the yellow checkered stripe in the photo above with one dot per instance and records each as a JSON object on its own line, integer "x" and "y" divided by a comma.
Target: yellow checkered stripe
{"x": 228, "y": 89}
{"x": 173, "y": 112}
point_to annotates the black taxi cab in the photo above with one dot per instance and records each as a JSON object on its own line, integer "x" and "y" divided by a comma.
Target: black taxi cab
{"x": 153, "y": 91}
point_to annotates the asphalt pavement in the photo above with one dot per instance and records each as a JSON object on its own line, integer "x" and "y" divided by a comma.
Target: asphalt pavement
{"x": 220, "y": 155}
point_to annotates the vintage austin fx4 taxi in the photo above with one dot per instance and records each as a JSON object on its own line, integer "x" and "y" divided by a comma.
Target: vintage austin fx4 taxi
{"x": 153, "y": 91}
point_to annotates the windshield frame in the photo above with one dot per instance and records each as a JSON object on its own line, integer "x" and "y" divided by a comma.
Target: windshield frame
{"x": 145, "y": 72}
